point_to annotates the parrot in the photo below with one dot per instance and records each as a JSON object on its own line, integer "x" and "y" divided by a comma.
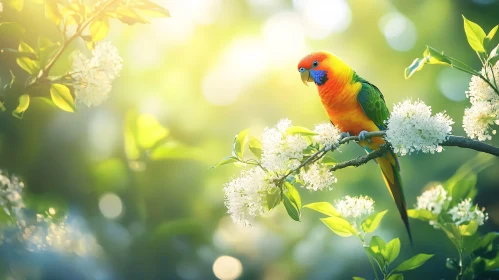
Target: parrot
{"x": 355, "y": 106}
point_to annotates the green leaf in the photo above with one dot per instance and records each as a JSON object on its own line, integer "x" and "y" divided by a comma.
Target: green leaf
{"x": 372, "y": 222}
{"x": 172, "y": 149}
{"x": 27, "y": 64}
{"x": 339, "y": 226}
{"x": 226, "y": 160}
{"x": 45, "y": 49}
{"x": 462, "y": 189}
{"x": 469, "y": 229}
{"x": 22, "y": 107}
{"x": 99, "y": 29}
{"x": 391, "y": 251}
{"x": 300, "y": 130}
{"x": 433, "y": 56}
{"x": 376, "y": 247}
{"x": 240, "y": 142}
{"x": 485, "y": 241}
{"x": 11, "y": 30}
{"x": 324, "y": 208}
{"x": 494, "y": 59}
{"x": 273, "y": 198}
{"x": 150, "y": 9}
{"x": 421, "y": 214}
{"x": 62, "y": 98}
{"x": 377, "y": 244}
{"x": 490, "y": 36}
{"x": 255, "y": 147}
{"x": 475, "y": 35}
{"x": 15, "y": 4}
{"x": 415, "y": 66}
{"x": 128, "y": 15}
{"x": 293, "y": 194}
{"x": 52, "y": 11}
{"x": 293, "y": 212}
{"x": 358, "y": 278}
{"x": 328, "y": 160}
{"x": 376, "y": 256}
{"x": 413, "y": 263}
{"x": 396, "y": 277}
{"x": 150, "y": 132}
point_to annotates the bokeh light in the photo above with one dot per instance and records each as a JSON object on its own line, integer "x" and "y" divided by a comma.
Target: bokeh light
{"x": 227, "y": 268}
{"x": 323, "y": 17}
{"x": 110, "y": 205}
{"x": 399, "y": 31}
{"x": 453, "y": 84}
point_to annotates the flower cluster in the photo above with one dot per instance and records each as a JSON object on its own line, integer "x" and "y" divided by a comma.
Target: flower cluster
{"x": 93, "y": 77}
{"x": 280, "y": 150}
{"x": 466, "y": 212}
{"x": 436, "y": 201}
{"x": 45, "y": 233}
{"x": 317, "y": 177}
{"x": 433, "y": 200}
{"x": 245, "y": 195}
{"x": 412, "y": 128}
{"x": 484, "y": 110}
{"x": 327, "y": 134}
{"x": 355, "y": 207}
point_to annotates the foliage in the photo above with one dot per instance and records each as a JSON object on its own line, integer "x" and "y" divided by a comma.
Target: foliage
{"x": 38, "y": 60}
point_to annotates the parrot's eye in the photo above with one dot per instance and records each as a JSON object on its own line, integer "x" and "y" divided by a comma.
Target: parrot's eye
{"x": 302, "y": 69}
{"x": 315, "y": 63}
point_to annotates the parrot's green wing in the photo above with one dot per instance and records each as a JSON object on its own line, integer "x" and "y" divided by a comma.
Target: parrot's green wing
{"x": 372, "y": 102}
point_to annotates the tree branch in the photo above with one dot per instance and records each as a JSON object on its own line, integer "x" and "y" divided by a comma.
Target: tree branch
{"x": 362, "y": 159}
{"x": 452, "y": 141}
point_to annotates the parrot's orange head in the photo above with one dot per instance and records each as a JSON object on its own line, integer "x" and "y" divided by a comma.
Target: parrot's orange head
{"x": 319, "y": 67}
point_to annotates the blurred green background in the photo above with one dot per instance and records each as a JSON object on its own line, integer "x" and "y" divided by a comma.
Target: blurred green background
{"x": 212, "y": 69}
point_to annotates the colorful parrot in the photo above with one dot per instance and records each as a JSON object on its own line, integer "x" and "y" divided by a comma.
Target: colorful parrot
{"x": 356, "y": 107}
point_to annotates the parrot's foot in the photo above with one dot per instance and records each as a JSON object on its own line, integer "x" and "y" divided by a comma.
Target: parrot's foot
{"x": 344, "y": 135}
{"x": 362, "y": 136}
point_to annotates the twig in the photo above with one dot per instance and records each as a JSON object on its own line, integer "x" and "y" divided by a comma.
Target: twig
{"x": 452, "y": 141}
{"x": 362, "y": 159}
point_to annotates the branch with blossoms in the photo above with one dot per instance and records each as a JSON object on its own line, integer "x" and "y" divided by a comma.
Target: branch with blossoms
{"x": 89, "y": 80}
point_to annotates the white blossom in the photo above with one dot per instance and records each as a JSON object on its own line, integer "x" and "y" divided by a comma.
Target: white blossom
{"x": 281, "y": 151}
{"x": 433, "y": 200}
{"x": 355, "y": 207}
{"x": 479, "y": 118}
{"x": 484, "y": 110}
{"x": 327, "y": 134}
{"x": 245, "y": 196}
{"x": 92, "y": 77}
{"x": 317, "y": 177}
{"x": 43, "y": 233}
{"x": 466, "y": 212}
{"x": 412, "y": 128}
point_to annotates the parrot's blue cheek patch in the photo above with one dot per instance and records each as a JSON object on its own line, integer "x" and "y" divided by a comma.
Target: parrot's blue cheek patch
{"x": 319, "y": 76}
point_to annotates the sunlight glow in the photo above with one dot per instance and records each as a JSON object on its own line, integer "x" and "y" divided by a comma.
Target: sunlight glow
{"x": 185, "y": 15}
{"x": 227, "y": 268}
{"x": 110, "y": 205}
{"x": 222, "y": 85}
{"x": 284, "y": 38}
{"x": 323, "y": 17}
{"x": 399, "y": 31}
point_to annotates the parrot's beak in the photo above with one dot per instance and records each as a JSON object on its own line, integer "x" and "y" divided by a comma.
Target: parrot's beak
{"x": 305, "y": 77}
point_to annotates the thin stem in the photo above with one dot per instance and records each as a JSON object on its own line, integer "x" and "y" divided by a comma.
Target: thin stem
{"x": 66, "y": 41}
{"x": 369, "y": 257}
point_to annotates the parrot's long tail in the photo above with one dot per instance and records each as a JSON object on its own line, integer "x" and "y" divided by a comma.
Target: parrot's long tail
{"x": 391, "y": 173}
